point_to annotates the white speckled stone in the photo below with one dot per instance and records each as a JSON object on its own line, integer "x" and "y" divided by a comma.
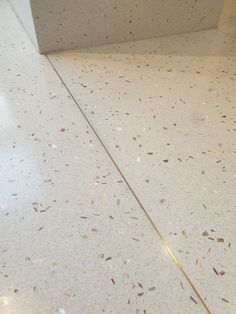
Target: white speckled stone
{"x": 66, "y": 24}
{"x": 73, "y": 237}
{"x": 165, "y": 108}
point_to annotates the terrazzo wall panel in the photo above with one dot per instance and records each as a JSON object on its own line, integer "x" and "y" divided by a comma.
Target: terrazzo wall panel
{"x": 22, "y": 9}
{"x": 63, "y": 24}
{"x": 67, "y": 24}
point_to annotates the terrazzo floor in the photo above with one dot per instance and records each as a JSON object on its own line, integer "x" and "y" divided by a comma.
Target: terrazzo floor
{"x": 118, "y": 176}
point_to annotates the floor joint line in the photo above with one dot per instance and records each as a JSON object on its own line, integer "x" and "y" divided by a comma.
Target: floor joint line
{"x": 164, "y": 242}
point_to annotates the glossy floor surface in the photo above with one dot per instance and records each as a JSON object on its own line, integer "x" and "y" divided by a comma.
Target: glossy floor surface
{"x": 87, "y": 204}
{"x": 166, "y": 111}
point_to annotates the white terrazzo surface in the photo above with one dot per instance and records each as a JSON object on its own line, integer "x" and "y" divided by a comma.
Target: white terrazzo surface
{"x": 67, "y": 24}
{"x": 73, "y": 237}
{"x": 165, "y": 109}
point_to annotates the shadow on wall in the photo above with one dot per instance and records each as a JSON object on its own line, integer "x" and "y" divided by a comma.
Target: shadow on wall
{"x": 199, "y": 44}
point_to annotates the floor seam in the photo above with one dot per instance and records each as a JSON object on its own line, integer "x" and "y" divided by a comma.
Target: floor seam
{"x": 233, "y": 36}
{"x": 164, "y": 242}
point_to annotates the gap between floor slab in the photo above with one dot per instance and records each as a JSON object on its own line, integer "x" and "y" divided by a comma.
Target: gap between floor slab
{"x": 164, "y": 242}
